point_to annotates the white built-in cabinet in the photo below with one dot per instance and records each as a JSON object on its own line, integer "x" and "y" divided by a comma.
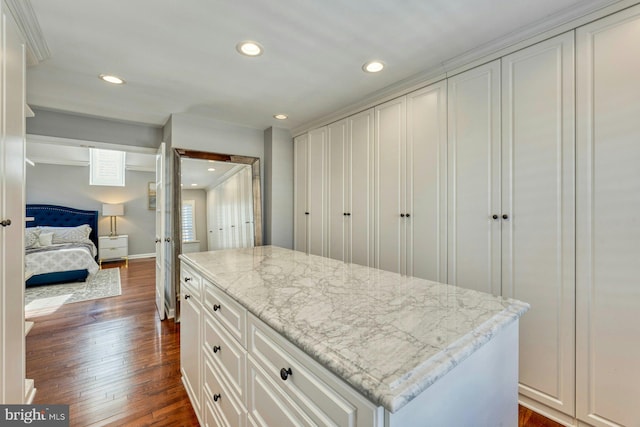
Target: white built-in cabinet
{"x": 474, "y": 179}
{"x": 301, "y": 189}
{"x": 390, "y": 159}
{"x": 310, "y": 202}
{"x": 538, "y": 198}
{"x": 410, "y": 179}
{"x": 521, "y": 178}
{"x": 425, "y": 197}
{"x": 13, "y": 387}
{"x": 350, "y": 189}
{"x": 608, "y": 220}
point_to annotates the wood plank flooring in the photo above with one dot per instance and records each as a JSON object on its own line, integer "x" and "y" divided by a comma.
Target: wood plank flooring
{"x": 111, "y": 360}
{"x": 115, "y": 363}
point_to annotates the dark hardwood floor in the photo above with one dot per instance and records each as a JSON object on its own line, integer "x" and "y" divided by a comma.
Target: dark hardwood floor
{"x": 111, "y": 359}
{"x": 114, "y": 363}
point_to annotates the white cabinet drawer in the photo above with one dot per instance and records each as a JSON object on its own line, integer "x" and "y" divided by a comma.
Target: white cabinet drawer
{"x": 192, "y": 279}
{"x": 320, "y": 401}
{"x": 108, "y": 253}
{"x": 229, "y": 411}
{"x": 228, "y": 356}
{"x": 228, "y": 312}
{"x": 112, "y": 242}
{"x": 267, "y": 405}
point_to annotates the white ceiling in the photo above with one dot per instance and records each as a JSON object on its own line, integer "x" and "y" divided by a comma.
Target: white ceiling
{"x": 195, "y": 173}
{"x": 179, "y": 56}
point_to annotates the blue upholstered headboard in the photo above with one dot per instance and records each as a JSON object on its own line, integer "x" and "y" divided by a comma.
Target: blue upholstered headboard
{"x": 62, "y": 216}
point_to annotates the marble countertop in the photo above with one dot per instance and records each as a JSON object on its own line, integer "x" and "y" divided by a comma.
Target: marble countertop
{"x": 388, "y": 336}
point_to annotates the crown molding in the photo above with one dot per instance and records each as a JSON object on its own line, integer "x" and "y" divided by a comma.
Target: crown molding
{"x": 552, "y": 25}
{"x": 25, "y": 17}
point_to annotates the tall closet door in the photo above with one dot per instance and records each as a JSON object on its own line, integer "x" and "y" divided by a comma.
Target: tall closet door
{"x": 12, "y": 152}
{"x": 608, "y": 220}
{"x": 317, "y": 192}
{"x": 390, "y": 146}
{"x": 360, "y": 194}
{"x": 538, "y": 239}
{"x": 337, "y": 185}
{"x": 301, "y": 185}
{"x": 426, "y": 183}
{"x": 474, "y": 178}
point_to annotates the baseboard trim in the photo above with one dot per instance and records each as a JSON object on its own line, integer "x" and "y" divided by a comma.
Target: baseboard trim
{"x": 140, "y": 256}
{"x": 552, "y": 414}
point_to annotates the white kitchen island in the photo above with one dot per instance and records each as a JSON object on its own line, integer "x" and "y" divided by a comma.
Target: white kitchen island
{"x": 275, "y": 337}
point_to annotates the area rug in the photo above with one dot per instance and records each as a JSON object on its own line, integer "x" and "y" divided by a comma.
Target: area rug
{"x": 102, "y": 284}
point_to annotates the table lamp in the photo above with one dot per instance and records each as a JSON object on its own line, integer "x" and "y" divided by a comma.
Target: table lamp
{"x": 112, "y": 211}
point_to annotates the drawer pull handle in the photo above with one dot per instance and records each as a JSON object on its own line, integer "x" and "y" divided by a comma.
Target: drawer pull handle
{"x": 216, "y": 397}
{"x": 187, "y": 296}
{"x": 284, "y": 373}
{"x": 187, "y": 279}
{"x": 216, "y": 307}
{"x": 216, "y": 348}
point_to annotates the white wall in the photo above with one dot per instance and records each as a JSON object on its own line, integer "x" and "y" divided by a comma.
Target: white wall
{"x": 278, "y": 187}
{"x": 72, "y": 126}
{"x": 69, "y": 186}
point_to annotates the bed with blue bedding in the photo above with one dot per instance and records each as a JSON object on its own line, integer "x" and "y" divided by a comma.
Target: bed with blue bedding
{"x": 60, "y": 244}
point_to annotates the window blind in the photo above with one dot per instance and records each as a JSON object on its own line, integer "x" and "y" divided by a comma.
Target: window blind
{"x": 188, "y": 221}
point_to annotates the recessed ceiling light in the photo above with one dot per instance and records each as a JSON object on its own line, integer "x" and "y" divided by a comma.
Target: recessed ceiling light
{"x": 281, "y": 116}
{"x": 249, "y": 48}
{"x": 211, "y": 161}
{"x": 194, "y": 185}
{"x": 112, "y": 79}
{"x": 373, "y": 66}
{"x": 211, "y": 169}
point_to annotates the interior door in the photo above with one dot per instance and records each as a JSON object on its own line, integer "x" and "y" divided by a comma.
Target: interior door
{"x": 160, "y": 227}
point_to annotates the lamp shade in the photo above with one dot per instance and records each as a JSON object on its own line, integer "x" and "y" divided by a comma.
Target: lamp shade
{"x": 112, "y": 210}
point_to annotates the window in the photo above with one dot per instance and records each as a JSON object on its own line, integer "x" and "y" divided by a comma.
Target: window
{"x": 106, "y": 167}
{"x": 188, "y": 220}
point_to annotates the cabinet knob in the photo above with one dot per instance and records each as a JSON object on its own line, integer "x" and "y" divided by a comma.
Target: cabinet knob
{"x": 402, "y": 215}
{"x": 495, "y": 216}
{"x": 187, "y": 296}
{"x": 158, "y": 240}
{"x": 505, "y": 216}
{"x": 6, "y": 222}
{"x": 306, "y": 213}
{"x": 408, "y": 215}
{"x": 348, "y": 213}
{"x": 216, "y": 307}
{"x": 187, "y": 279}
{"x": 167, "y": 239}
{"x": 216, "y": 397}
{"x": 344, "y": 213}
{"x": 284, "y": 373}
{"x": 216, "y": 348}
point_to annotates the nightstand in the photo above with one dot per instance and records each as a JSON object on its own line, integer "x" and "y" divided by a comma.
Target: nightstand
{"x": 113, "y": 248}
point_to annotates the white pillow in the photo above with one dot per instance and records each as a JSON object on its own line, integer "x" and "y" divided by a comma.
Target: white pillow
{"x": 31, "y": 237}
{"x": 45, "y": 239}
{"x": 68, "y": 234}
